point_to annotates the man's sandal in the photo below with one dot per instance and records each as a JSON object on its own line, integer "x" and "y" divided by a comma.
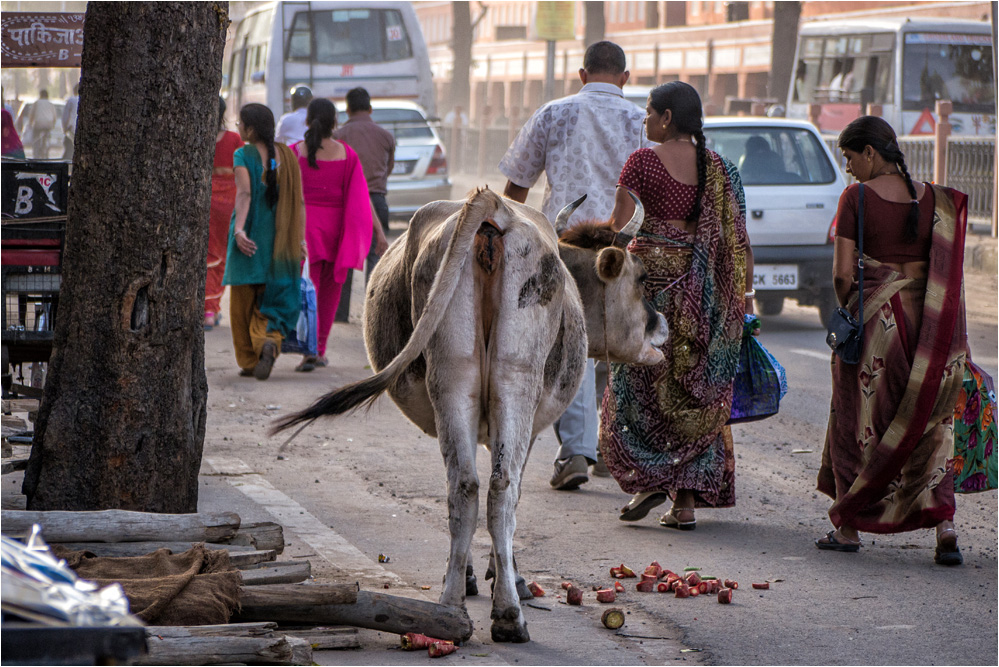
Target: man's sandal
{"x": 830, "y": 543}
{"x": 947, "y": 552}
{"x": 672, "y": 520}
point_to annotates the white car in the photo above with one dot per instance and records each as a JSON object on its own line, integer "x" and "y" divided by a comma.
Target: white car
{"x": 792, "y": 189}
{"x": 420, "y": 174}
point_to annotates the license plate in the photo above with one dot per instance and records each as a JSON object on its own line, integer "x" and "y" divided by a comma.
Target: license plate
{"x": 775, "y": 276}
{"x": 404, "y": 167}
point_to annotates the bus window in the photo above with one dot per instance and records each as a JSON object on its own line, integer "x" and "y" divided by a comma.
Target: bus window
{"x": 348, "y": 36}
{"x": 951, "y": 67}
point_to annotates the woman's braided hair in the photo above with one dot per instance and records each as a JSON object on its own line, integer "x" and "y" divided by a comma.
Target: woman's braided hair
{"x": 687, "y": 117}
{"x": 878, "y": 134}
{"x": 260, "y": 119}
{"x": 321, "y": 119}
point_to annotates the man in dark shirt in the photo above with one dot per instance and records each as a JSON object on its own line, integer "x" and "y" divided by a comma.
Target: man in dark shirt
{"x": 375, "y": 146}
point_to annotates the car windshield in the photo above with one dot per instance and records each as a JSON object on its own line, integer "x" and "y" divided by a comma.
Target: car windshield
{"x": 772, "y": 155}
{"x": 402, "y": 123}
{"x": 948, "y": 66}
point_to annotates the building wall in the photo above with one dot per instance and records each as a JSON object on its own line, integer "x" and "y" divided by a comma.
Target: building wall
{"x": 663, "y": 41}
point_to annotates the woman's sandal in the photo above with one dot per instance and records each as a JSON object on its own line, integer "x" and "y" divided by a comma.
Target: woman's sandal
{"x": 308, "y": 364}
{"x": 671, "y": 520}
{"x": 641, "y": 503}
{"x": 833, "y": 544}
{"x": 947, "y": 552}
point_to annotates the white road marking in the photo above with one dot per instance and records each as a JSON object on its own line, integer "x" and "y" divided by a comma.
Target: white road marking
{"x": 824, "y": 356}
{"x": 327, "y": 543}
{"x": 895, "y": 627}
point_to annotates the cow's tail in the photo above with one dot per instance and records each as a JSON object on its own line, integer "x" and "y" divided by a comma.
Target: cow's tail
{"x": 481, "y": 205}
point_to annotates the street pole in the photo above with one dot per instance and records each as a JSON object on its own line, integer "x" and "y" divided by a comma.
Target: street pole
{"x": 550, "y": 71}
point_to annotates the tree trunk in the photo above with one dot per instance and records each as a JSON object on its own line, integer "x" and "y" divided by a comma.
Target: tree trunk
{"x": 595, "y": 26}
{"x": 122, "y": 422}
{"x": 785, "y": 39}
{"x": 461, "y": 44}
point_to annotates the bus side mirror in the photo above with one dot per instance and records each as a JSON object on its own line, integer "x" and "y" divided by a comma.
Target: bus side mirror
{"x": 257, "y": 77}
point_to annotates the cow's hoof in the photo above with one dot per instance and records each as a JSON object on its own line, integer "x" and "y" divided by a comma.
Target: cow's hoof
{"x": 522, "y": 590}
{"x": 507, "y": 631}
{"x": 471, "y": 583}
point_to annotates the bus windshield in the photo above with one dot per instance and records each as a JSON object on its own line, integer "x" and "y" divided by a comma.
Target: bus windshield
{"x": 348, "y": 36}
{"x": 948, "y": 66}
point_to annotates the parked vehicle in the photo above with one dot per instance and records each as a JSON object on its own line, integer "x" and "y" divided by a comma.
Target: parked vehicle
{"x": 903, "y": 64}
{"x": 420, "y": 174}
{"x": 792, "y": 189}
{"x": 330, "y": 47}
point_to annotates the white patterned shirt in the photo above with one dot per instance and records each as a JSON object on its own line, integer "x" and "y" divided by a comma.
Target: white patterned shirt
{"x": 581, "y": 142}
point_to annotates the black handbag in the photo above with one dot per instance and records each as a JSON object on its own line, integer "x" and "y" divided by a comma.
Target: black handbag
{"x": 845, "y": 332}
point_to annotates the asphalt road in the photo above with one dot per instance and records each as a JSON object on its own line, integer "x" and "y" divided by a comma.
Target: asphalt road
{"x": 371, "y": 483}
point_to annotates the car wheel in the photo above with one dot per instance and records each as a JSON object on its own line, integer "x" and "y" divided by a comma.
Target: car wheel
{"x": 827, "y": 305}
{"x": 770, "y": 305}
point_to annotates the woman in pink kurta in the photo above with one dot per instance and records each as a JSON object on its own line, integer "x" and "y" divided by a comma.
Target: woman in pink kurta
{"x": 338, "y": 220}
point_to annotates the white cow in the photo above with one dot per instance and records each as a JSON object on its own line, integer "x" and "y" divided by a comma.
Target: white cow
{"x": 478, "y": 321}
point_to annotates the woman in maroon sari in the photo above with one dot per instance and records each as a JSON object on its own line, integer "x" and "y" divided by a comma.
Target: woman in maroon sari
{"x": 886, "y": 458}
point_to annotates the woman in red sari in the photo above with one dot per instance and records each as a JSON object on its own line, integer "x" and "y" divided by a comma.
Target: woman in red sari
{"x": 223, "y": 201}
{"x": 886, "y": 458}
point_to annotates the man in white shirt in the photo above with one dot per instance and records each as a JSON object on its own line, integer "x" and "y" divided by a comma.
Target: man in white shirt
{"x": 69, "y": 114}
{"x": 291, "y": 127}
{"x": 581, "y": 143}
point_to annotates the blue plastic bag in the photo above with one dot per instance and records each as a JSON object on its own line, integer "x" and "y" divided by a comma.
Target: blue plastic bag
{"x": 305, "y": 338}
{"x": 760, "y": 381}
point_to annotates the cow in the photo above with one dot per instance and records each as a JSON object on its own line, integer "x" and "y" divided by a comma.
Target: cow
{"x": 478, "y": 321}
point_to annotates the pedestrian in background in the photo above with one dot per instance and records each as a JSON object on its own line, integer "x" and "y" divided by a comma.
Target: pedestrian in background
{"x": 69, "y": 114}
{"x": 375, "y": 146}
{"x": 12, "y": 146}
{"x": 263, "y": 261}
{"x": 338, "y": 226}
{"x": 890, "y": 433}
{"x": 41, "y": 121}
{"x": 220, "y": 214}
{"x": 663, "y": 429}
{"x": 291, "y": 127}
{"x": 580, "y": 143}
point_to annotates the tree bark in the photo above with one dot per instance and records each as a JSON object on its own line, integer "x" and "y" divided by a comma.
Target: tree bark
{"x": 595, "y": 25}
{"x": 461, "y": 45}
{"x": 785, "y": 39}
{"x": 122, "y": 422}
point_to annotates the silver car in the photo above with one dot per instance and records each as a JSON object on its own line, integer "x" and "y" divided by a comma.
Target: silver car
{"x": 420, "y": 174}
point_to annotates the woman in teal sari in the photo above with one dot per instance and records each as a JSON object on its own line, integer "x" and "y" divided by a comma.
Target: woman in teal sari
{"x": 265, "y": 244}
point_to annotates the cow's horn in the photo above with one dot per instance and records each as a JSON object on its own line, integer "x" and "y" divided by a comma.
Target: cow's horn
{"x": 562, "y": 219}
{"x": 628, "y": 232}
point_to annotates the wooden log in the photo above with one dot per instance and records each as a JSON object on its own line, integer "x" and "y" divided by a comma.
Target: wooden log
{"x": 197, "y": 650}
{"x": 179, "y": 644}
{"x": 265, "y": 535}
{"x": 287, "y": 599}
{"x": 324, "y": 638}
{"x": 19, "y": 405}
{"x": 13, "y": 465}
{"x": 301, "y": 650}
{"x": 286, "y": 572}
{"x": 123, "y": 526}
{"x": 376, "y": 611}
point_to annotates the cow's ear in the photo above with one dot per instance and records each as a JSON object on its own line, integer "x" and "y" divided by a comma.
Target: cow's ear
{"x": 610, "y": 263}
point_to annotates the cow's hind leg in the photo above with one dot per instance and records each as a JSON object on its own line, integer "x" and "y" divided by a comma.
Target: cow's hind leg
{"x": 509, "y": 453}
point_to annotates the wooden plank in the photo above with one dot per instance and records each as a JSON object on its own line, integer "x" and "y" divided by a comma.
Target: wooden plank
{"x": 197, "y": 650}
{"x": 129, "y": 549}
{"x": 325, "y": 638}
{"x": 15, "y": 424}
{"x": 123, "y": 526}
{"x": 286, "y": 572}
{"x": 264, "y": 535}
{"x": 245, "y": 559}
{"x": 261, "y": 629}
{"x": 19, "y": 405}
{"x": 376, "y": 611}
{"x": 259, "y": 600}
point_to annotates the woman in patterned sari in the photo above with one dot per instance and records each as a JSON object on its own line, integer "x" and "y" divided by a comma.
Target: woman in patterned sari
{"x": 663, "y": 428}
{"x": 885, "y": 462}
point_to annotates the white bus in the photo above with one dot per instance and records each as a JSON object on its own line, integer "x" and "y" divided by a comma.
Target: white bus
{"x": 905, "y": 65}
{"x": 330, "y": 47}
